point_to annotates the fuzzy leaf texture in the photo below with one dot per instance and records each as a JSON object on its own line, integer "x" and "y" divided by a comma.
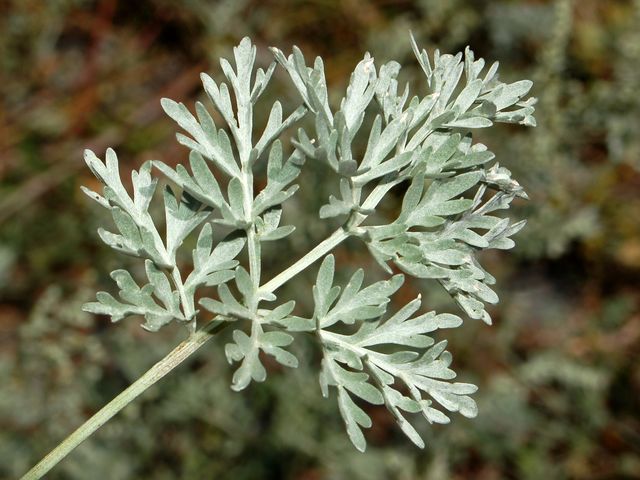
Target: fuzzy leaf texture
{"x": 378, "y": 137}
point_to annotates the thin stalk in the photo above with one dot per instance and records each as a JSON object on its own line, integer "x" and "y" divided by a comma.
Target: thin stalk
{"x": 253, "y": 246}
{"x": 185, "y": 349}
{"x": 334, "y": 239}
{"x": 318, "y": 252}
{"x": 178, "y": 355}
{"x": 187, "y": 303}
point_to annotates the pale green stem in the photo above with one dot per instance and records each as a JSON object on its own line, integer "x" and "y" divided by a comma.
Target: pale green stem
{"x": 200, "y": 337}
{"x": 318, "y": 252}
{"x": 187, "y": 303}
{"x": 178, "y": 355}
{"x": 253, "y": 242}
{"x": 337, "y": 237}
{"x": 253, "y": 245}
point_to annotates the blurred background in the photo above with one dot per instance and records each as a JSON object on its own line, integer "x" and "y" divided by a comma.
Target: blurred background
{"x": 558, "y": 372}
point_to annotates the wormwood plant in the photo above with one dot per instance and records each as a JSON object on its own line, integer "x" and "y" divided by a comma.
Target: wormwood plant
{"x": 451, "y": 188}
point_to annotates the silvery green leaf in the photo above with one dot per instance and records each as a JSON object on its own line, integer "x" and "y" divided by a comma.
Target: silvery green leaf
{"x": 139, "y": 236}
{"x": 107, "y": 305}
{"x": 385, "y": 232}
{"x": 245, "y": 285}
{"x": 162, "y": 289}
{"x": 448, "y": 69}
{"x": 335, "y": 208}
{"x": 439, "y": 120}
{"x": 328, "y": 145}
{"x": 437, "y": 200}
{"x": 347, "y": 383}
{"x": 180, "y": 177}
{"x": 471, "y": 122}
{"x": 215, "y": 149}
{"x": 435, "y": 161}
{"x": 380, "y": 147}
{"x": 299, "y": 73}
{"x": 277, "y": 233}
{"x": 423, "y": 60}
{"x": 182, "y": 217}
{"x": 109, "y": 175}
{"x": 208, "y": 261}
{"x": 422, "y": 109}
{"x": 412, "y": 196}
{"x": 297, "y": 324}
{"x": 446, "y": 254}
{"x": 206, "y": 122}
{"x": 360, "y": 92}
{"x": 443, "y": 78}
{"x": 155, "y": 250}
{"x": 143, "y": 187}
{"x": 304, "y": 144}
{"x": 139, "y": 301}
{"x": 460, "y": 231}
{"x": 278, "y": 314}
{"x": 356, "y": 383}
{"x": 207, "y": 182}
{"x": 397, "y": 329}
{"x": 354, "y": 417}
{"x": 279, "y": 177}
{"x": 508, "y": 94}
{"x": 442, "y": 190}
{"x": 501, "y": 240}
{"x": 394, "y": 164}
{"x": 353, "y": 303}
{"x": 267, "y": 226}
{"x": 221, "y": 99}
{"x": 119, "y": 243}
{"x": 387, "y": 91}
{"x": 246, "y": 349}
{"x": 202, "y": 185}
{"x": 271, "y": 219}
{"x": 245, "y": 56}
{"x": 275, "y": 125}
{"x": 261, "y": 81}
{"x": 235, "y": 195}
{"x": 324, "y": 284}
{"x": 427, "y": 373}
{"x": 347, "y": 168}
{"x": 227, "y": 305}
{"x": 471, "y": 159}
{"x": 448, "y": 215}
{"x": 271, "y": 343}
{"x": 467, "y": 96}
{"x": 95, "y": 196}
{"x": 230, "y": 219}
{"x": 472, "y": 68}
{"x": 309, "y": 82}
{"x": 126, "y": 226}
{"x": 470, "y": 291}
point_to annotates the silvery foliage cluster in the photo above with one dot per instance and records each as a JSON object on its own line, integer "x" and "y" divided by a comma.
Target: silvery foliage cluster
{"x": 452, "y": 192}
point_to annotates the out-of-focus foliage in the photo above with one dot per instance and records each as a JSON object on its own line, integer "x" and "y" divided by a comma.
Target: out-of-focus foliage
{"x": 558, "y": 375}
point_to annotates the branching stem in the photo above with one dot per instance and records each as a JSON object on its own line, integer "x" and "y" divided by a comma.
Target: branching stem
{"x": 312, "y": 256}
{"x": 178, "y": 355}
{"x": 337, "y": 237}
{"x": 185, "y": 349}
